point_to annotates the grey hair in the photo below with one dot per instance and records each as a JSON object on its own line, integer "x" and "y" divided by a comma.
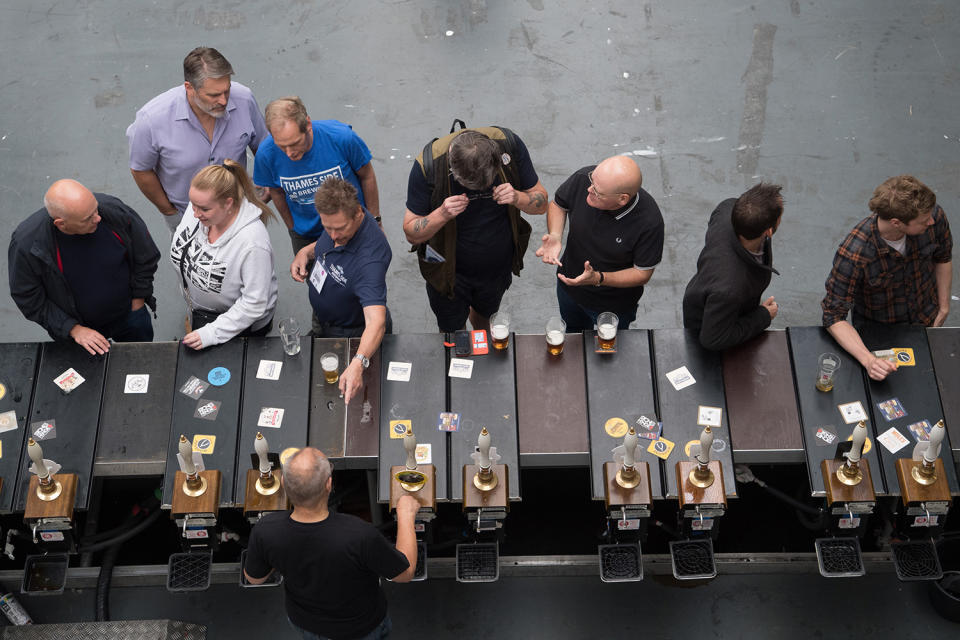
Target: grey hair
{"x": 474, "y": 160}
{"x": 203, "y": 63}
{"x": 306, "y": 481}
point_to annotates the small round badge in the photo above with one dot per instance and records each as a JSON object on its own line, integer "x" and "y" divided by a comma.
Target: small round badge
{"x": 218, "y": 376}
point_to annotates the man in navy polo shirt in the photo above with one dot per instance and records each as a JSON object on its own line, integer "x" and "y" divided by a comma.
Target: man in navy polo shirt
{"x": 348, "y": 281}
{"x": 614, "y": 244}
{"x": 82, "y": 268}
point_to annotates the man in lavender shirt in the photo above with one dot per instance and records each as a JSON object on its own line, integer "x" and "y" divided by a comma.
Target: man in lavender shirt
{"x": 182, "y": 130}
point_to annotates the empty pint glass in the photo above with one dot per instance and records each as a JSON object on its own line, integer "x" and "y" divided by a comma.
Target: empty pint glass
{"x": 555, "y": 333}
{"x": 290, "y": 336}
{"x": 500, "y": 330}
{"x": 607, "y": 330}
{"x": 330, "y": 364}
{"x": 827, "y": 367}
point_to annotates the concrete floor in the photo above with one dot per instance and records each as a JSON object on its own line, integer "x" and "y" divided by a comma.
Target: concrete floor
{"x": 825, "y": 98}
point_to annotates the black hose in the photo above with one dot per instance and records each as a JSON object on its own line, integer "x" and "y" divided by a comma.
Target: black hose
{"x": 123, "y": 537}
{"x": 143, "y": 508}
{"x": 107, "y": 562}
{"x": 670, "y": 531}
{"x": 780, "y": 495}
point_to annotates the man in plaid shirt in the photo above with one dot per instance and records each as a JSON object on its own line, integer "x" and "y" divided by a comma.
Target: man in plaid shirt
{"x": 894, "y": 267}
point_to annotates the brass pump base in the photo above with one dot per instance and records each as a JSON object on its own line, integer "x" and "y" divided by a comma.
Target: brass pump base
{"x": 411, "y": 480}
{"x": 271, "y": 486}
{"x": 850, "y": 475}
{"x": 701, "y": 476}
{"x": 627, "y": 477}
{"x": 50, "y": 491}
{"x": 924, "y": 475}
{"x": 195, "y": 487}
{"x": 485, "y": 480}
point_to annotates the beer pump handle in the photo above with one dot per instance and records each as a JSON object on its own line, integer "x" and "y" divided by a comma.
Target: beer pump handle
{"x": 410, "y": 446}
{"x": 630, "y": 448}
{"x": 483, "y": 448}
{"x": 933, "y": 447}
{"x": 261, "y": 447}
{"x": 859, "y": 437}
{"x": 706, "y": 445}
{"x": 36, "y": 454}
{"x": 186, "y": 456}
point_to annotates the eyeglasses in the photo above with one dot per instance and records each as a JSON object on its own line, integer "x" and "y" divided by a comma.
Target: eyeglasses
{"x": 596, "y": 192}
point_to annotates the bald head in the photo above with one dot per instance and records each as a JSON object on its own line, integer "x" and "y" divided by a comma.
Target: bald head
{"x": 306, "y": 478}
{"x": 72, "y": 206}
{"x": 615, "y": 182}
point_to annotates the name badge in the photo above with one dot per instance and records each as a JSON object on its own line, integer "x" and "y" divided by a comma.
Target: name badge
{"x": 318, "y": 276}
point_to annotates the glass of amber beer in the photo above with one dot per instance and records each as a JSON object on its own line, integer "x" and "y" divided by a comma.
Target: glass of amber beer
{"x": 555, "y": 331}
{"x": 330, "y": 364}
{"x": 827, "y": 366}
{"x": 500, "y": 330}
{"x": 607, "y": 330}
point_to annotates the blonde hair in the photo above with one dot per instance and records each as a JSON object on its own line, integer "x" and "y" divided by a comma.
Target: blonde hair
{"x": 230, "y": 180}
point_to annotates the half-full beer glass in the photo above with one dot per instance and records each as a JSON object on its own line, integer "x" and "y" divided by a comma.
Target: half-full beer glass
{"x": 330, "y": 363}
{"x": 607, "y": 330}
{"x": 500, "y": 330}
{"x": 555, "y": 333}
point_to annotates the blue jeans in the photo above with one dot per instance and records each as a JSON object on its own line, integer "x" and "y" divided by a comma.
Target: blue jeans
{"x": 580, "y": 318}
{"x": 134, "y": 327}
{"x": 382, "y": 631}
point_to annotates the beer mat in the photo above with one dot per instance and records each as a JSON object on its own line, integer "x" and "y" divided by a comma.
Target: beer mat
{"x": 204, "y": 444}
{"x": 136, "y": 383}
{"x": 43, "y": 430}
{"x": 709, "y": 416}
{"x": 649, "y": 427}
{"x": 272, "y": 457}
{"x": 891, "y": 409}
{"x": 269, "y": 369}
{"x": 616, "y": 427}
{"x": 597, "y": 349}
{"x": 825, "y": 436}
{"x": 69, "y": 380}
{"x": 852, "y": 412}
{"x": 3, "y": 390}
{"x": 717, "y": 446}
{"x": 194, "y": 387}
{"x": 900, "y": 356}
{"x": 8, "y": 421}
{"x": 399, "y": 371}
{"x": 207, "y": 409}
{"x": 460, "y": 368}
{"x": 448, "y": 421}
{"x": 892, "y": 440}
{"x": 270, "y": 417}
{"x": 424, "y": 453}
{"x": 680, "y": 378}
{"x": 921, "y": 430}
{"x": 218, "y": 376}
{"x": 661, "y": 448}
{"x": 197, "y": 461}
{"x": 848, "y": 444}
{"x": 398, "y": 428}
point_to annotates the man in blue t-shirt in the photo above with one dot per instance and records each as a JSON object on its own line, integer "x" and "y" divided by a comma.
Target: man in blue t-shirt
{"x": 299, "y": 155}
{"x": 348, "y": 281}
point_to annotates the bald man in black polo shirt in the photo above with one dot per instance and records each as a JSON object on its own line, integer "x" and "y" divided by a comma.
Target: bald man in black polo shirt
{"x": 614, "y": 244}
{"x": 82, "y": 268}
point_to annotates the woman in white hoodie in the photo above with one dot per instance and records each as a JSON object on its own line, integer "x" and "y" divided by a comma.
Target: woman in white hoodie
{"x": 222, "y": 252}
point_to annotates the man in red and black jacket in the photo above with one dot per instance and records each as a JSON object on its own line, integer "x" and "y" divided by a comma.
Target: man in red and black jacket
{"x": 82, "y": 268}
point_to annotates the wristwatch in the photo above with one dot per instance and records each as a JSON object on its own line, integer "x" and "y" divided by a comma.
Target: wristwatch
{"x": 364, "y": 361}
{"x": 379, "y": 219}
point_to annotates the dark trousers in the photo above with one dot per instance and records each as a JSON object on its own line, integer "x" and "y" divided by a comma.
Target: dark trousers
{"x": 134, "y": 327}
{"x": 580, "y": 318}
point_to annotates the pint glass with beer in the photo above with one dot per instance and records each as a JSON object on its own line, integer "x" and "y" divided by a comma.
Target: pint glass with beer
{"x": 500, "y": 330}
{"x": 555, "y": 333}
{"x": 330, "y": 363}
{"x": 607, "y": 330}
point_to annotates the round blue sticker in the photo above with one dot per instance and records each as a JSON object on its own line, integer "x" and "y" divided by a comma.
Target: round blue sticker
{"x": 218, "y": 376}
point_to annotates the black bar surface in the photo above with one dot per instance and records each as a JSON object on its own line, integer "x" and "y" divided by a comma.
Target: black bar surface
{"x": 679, "y": 410}
{"x": 487, "y": 399}
{"x": 224, "y": 427}
{"x": 18, "y": 367}
{"x": 135, "y": 427}
{"x": 944, "y": 345}
{"x": 76, "y": 415}
{"x": 420, "y": 400}
{"x": 819, "y": 409}
{"x": 327, "y": 410}
{"x": 290, "y": 392}
{"x": 915, "y": 388}
{"x": 619, "y": 385}
{"x": 361, "y": 441}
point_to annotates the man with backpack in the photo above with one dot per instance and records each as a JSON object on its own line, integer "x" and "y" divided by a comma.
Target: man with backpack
{"x": 464, "y": 198}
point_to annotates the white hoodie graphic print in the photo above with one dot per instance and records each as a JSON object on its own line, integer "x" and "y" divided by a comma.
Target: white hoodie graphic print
{"x": 233, "y": 277}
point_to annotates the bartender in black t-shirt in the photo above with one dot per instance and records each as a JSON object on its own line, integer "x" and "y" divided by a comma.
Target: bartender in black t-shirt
{"x": 331, "y": 562}
{"x": 614, "y": 243}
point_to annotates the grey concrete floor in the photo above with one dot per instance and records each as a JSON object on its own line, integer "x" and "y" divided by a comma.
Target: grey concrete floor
{"x": 826, "y": 98}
